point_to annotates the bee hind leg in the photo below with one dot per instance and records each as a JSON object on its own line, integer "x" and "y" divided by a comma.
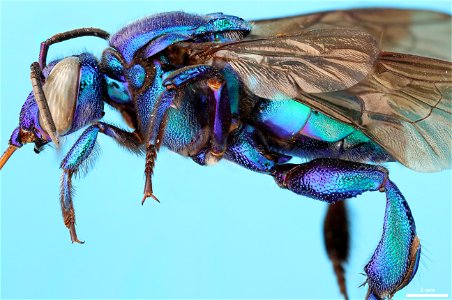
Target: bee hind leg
{"x": 395, "y": 260}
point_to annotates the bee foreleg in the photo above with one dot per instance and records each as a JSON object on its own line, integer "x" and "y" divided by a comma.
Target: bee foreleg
{"x": 394, "y": 262}
{"x": 78, "y": 154}
{"x": 78, "y": 159}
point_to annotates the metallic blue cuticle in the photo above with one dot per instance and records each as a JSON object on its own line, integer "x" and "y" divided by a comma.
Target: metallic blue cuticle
{"x": 224, "y": 23}
{"x": 332, "y": 180}
{"x": 322, "y": 127}
{"x": 162, "y": 42}
{"x": 112, "y": 64}
{"x": 118, "y": 91}
{"x": 134, "y": 36}
{"x": 136, "y": 75}
{"x": 29, "y": 113}
{"x": 147, "y": 99}
{"x": 29, "y": 118}
{"x": 15, "y": 138}
{"x": 158, "y": 114}
{"x": 233, "y": 85}
{"x": 247, "y": 150}
{"x": 81, "y": 149}
{"x": 90, "y": 104}
{"x": 396, "y": 257}
{"x": 187, "y": 74}
{"x": 282, "y": 118}
{"x": 389, "y": 264}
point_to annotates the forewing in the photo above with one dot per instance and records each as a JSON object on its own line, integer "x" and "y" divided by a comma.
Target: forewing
{"x": 312, "y": 61}
{"x": 405, "y": 106}
{"x": 423, "y": 33}
{"x": 401, "y": 101}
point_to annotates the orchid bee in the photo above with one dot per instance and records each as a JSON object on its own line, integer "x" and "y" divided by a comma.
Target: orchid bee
{"x": 340, "y": 90}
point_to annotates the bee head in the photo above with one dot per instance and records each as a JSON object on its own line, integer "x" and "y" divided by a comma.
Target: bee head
{"x": 71, "y": 91}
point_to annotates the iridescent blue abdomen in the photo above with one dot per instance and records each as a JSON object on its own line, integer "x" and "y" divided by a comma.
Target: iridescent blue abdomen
{"x": 287, "y": 119}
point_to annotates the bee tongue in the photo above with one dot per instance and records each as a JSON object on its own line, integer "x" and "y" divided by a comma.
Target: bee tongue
{"x": 7, "y": 154}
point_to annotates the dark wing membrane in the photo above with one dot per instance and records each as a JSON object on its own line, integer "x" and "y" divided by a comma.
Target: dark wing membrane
{"x": 312, "y": 61}
{"x": 405, "y": 106}
{"x": 424, "y": 33}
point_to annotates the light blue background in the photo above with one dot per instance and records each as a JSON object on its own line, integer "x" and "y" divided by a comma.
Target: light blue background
{"x": 220, "y": 232}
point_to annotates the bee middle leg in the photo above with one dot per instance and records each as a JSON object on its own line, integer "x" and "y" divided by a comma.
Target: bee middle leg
{"x": 337, "y": 240}
{"x": 246, "y": 147}
{"x": 78, "y": 158}
{"x": 221, "y": 119}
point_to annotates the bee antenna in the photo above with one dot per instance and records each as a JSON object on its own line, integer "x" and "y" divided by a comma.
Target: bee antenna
{"x": 68, "y": 35}
{"x": 43, "y": 106}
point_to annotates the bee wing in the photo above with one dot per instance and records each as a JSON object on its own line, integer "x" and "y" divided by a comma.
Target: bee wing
{"x": 401, "y": 101}
{"x": 312, "y": 61}
{"x": 405, "y": 105}
{"x": 424, "y": 33}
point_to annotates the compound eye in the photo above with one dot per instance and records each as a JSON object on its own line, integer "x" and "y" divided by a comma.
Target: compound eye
{"x": 61, "y": 91}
